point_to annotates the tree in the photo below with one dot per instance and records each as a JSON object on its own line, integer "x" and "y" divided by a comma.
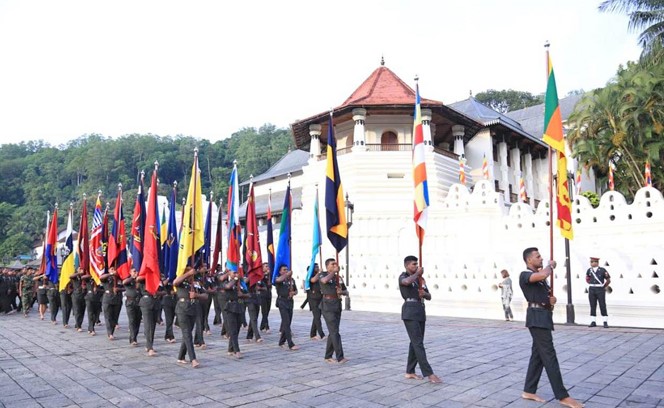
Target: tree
{"x": 646, "y": 15}
{"x": 508, "y": 99}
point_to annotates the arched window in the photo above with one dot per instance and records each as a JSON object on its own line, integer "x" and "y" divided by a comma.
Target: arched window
{"x": 389, "y": 142}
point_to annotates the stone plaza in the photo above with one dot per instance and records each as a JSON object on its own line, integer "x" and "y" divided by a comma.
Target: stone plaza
{"x": 482, "y": 364}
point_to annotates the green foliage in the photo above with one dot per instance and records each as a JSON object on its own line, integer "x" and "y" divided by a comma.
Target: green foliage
{"x": 592, "y": 197}
{"x": 623, "y": 120}
{"x": 35, "y": 175}
{"x": 508, "y": 99}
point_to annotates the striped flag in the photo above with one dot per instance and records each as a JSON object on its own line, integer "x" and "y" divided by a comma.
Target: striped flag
{"x": 522, "y": 190}
{"x": 270, "y": 234}
{"x": 252, "y": 246}
{"x": 335, "y": 211}
{"x": 234, "y": 228}
{"x": 612, "y": 185}
{"x": 554, "y": 137}
{"x": 462, "y": 171}
{"x": 485, "y": 168}
{"x": 578, "y": 182}
{"x": 421, "y": 190}
{"x": 50, "y": 253}
{"x": 192, "y": 235}
{"x": 68, "y": 264}
{"x": 97, "y": 265}
{"x": 648, "y": 175}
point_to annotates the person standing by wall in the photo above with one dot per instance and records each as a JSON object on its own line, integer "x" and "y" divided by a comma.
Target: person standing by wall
{"x": 506, "y": 294}
{"x": 598, "y": 280}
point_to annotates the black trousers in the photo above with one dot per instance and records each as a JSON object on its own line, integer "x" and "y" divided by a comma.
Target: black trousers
{"x": 93, "y": 308}
{"x": 186, "y": 323}
{"x": 168, "y": 303}
{"x": 253, "y": 331}
{"x": 266, "y": 304}
{"x": 149, "y": 312}
{"x": 543, "y": 355}
{"x": 65, "y": 303}
{"x": 224, "y": 317}
{"x": 198, "y": 324}
{"x": 332, "y": 315}
{"x": 54, "y": 304}
{"x": 233, "y": 322}
{"x": 134, "y": 316}
{"x": 416, "y": 352}
{"x": 206, "y": 312}
{"x": 597, "y": 294}
{"x": 286, "y": 319}
{"x": 316, "y": 325}
{"x": 78, "y": 307}
{"x": 111, "y": 316}
{"x": 216, "y": 298}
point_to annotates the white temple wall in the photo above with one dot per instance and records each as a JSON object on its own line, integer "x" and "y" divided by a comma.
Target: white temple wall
{"x": 481, "y": 144}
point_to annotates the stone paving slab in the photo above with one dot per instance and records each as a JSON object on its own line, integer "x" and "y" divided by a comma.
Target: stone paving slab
{"x": 482, "y": 364}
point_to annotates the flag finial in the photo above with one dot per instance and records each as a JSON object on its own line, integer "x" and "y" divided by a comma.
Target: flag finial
{"x": 71, "y": 205}
{"x": 234, "y": 163}
{"x": 142, "y": 174}
{"x": 85, "y": 196}
{"x": 196, "y": 151}
{"x": 56, "y": 205}
{"x": 417, "y": 78}
{"x": 156, "y": 164}
{"x": 546, "y": 44}
{"x": 119, "y": 186}
{"x": 211, "y": 195}
{"x": 175, "y": 185}
{"x": 108, "y": 206}
{"x": 382, "y": 60}
{"x": 98, "y": 193}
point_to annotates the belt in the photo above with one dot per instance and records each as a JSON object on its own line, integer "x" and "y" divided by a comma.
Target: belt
{"x": 284, "y": 297}
{"x": 536, "y": 305}
{"x": 108, "y": 291}
{"x": 412, "y": 300}
{"x": 330, "y": 297}
{"x": 149, "y": 296}
{"x": 596, "y": 285}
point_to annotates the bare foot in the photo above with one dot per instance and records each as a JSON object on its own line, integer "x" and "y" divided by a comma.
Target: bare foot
{"x": 330, "y": 360}
{"x": 259, "y": 341}
{"x": 182, "y": 361}
{"x": 133, "y": 343}
{"x": 294, "y": 348}
{"x": 343, "y": 361}
{"x": 433, "y": 379}
{"x": 203, "y": 346}
{"x": 195, "y": 364}
{"x": 571, "y": 402}
{"x": 238, "y": 355}
{"x": 152, "y": 353}
{"x": 532, "y": 397}
{"x": 79, "y": 330}
{"x": 110, "y": 337}
{"x": 66, "y": 326}
{"x": 413, "y": 376}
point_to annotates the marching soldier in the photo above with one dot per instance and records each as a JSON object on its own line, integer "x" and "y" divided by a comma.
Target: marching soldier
{"x": 314, "y": 297}
{"x": 66, "y": 304}
{"x": 187, "y": 297}
{"x": 149, "y": 310}
{"x": 234, "y": 312}
{"x": 53, "y": 297}
{"x": 168, "y": 302}
{"x": 26, "y": 289}
{"x": 332, "y": 289}
{"x": 132, "y": 298}
{"x": 266, "y": 298}
{"x": 111, "y": 301}
{"x": 79, "y": 290}
{"x": 286, "y": 290}
{"x": 598, "y": 279}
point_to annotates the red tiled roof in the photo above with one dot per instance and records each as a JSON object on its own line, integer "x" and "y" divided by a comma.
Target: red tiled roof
{"x": 383, "y": 87}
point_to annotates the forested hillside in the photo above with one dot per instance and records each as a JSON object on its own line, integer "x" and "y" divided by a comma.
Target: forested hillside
{"x": 35, "y": 175}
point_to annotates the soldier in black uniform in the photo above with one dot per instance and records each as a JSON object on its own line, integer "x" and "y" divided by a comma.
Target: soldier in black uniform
{"x": 66, "y": 303}
{"x": 199, "y": 339}
{"x": 314, "y": 297}
{"x": 187, "y": 297}
{"x": 168, "y": 302}
{"x": 149, "y": 310}
{"x": 53, "y": 297}
{"x": 234, "y": 310}
{"x": 111, "y": 300}
{"x": 253, "y": 303}
{"x": 598, "y": 279}
{"x": 79, "y": 290}
{"x": 414, "y": 292}
{"x": 286, "y": 290}
{"x": 539, "y": 321}
{"x": 209, "y": 284}
{"x": 93, "y": 299}
{"x": 132, "y": 298}
{"x": 266, "y": 298}
{"x": 332, "y": 288}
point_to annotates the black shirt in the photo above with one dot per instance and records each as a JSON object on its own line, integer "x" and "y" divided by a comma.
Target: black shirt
{"x": 412, "y": 310}
{"x": 536, "y": 292}
{"x": 329, "y": 288}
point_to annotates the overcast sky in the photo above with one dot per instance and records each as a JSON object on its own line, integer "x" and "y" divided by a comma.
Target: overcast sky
{"x": 209, "y": 68}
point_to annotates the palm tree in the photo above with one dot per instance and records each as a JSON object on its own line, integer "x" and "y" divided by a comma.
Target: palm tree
{"x": 646, "y": 15}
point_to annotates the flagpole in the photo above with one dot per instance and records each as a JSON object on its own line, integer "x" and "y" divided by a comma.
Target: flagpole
{"x": 208, "y": 255}
{"x": 546, "y": 46}
{"x": 192, "y": 215}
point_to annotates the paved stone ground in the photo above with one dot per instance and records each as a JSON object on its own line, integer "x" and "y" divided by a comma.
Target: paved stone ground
{"x": 481, "y": 362}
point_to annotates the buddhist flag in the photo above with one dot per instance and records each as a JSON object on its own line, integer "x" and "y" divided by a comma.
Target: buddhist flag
{"x": 152, "y": 243}
{"x": 421, "y": 190}
{"x": 485, "y": 168}
{"x": 612, "y": 185}
{"x": 335, "y": 214}
{"x": 171, "y": 246}
{"x": 234, "y": 227}
{"x": 283, "y": 257}
{"x": 50, "y": 253}
{"x": 97, "y": 262}
{"x": 192, "y": 237}
{"x": 648, "y": 176}
{"x": 462, "y": 171}
{"x": 68, "y": 264}
{"x": 315, "y": 244}
{"x": 522, "y": 190}
{"x": 82, "y": 246}
{"x": 270, "y": 234}
{"x": 553, "y": 136}
{"x": 138, "y": 227}
{"x": 252, "y": 248}
{"x": 117, "y": 244}
{"x": 578, "y": 181}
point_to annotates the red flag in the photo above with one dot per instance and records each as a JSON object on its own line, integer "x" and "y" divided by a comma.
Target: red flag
{"x": 150, "y": 266}
{"x": 117, "y": 244}
{"x": 83, "y": 238}
{"x": 252, "y": 252}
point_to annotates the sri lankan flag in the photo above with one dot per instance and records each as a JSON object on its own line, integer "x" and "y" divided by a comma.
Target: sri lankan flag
{"x": 553, "y": 136}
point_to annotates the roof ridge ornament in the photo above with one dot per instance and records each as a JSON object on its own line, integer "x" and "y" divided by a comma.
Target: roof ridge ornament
{"x": 382, "y": 60}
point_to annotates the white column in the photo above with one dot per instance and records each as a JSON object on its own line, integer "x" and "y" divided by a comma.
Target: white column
{"x": 314, "y": 148}
{"x": 528, "y": 172}
{"x": 359, "y": 139}
{"x": 458, "y": 131}
{"x": 503, "y": 180}
{"x": 515, "y": 156}
{"x": 426, "y": 129}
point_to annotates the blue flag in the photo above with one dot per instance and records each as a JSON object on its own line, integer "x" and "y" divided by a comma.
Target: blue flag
{"x": 204, "y": 252}
{"x": 315, "y": 245}
{"x": 283, "y": 257}
{"x": 171, "y": 245}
